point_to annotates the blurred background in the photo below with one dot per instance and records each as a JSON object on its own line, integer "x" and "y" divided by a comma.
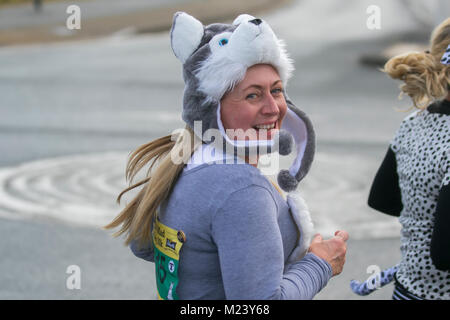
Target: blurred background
{"x": 75, "y": 102}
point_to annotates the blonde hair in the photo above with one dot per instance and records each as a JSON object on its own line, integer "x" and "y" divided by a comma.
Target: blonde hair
{"x": 425, "y": 78}
{"x": 136, "y": 218}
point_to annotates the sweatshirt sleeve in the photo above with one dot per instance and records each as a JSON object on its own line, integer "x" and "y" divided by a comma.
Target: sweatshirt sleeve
{"x": 144, "y": 252}
{"x": 246, "y": 232}
{"x": 385, "y": 195}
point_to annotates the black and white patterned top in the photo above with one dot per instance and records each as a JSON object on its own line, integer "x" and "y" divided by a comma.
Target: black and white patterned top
{"x": 413, "y": 183}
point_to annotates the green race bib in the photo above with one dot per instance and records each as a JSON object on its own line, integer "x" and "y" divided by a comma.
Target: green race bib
{"x": 167, "y": 243}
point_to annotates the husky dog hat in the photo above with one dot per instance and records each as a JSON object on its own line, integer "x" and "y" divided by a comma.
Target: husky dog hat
{"x": 215, "y": 58}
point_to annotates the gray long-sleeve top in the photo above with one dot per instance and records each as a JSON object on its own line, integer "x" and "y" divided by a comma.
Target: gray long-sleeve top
{"x": 239, "y": 235}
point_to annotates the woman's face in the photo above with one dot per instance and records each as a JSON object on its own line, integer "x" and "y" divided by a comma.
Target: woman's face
{"x": 256, "y": 103}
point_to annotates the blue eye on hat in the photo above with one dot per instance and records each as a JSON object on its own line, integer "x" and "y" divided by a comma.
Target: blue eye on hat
{"x": 223, "y": 42}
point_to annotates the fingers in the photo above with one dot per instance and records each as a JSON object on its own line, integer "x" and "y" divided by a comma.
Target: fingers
{"x": 342, "y": 234}
{"x": 332, "y": 250}
{"x": 339, "y": 242}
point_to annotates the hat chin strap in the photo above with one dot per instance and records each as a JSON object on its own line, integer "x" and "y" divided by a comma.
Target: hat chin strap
{"x": 265, "y": 146}
{"x": 292, "y": 123}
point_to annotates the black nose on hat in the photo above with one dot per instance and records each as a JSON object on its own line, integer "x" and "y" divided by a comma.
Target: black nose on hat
{"x": 256, "y": 21}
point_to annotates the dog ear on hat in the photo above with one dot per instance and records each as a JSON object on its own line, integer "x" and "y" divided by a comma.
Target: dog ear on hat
{"x": 185, "y": 35}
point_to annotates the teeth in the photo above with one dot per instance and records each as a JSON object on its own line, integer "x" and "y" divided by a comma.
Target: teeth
{"x": 265, "y": 126}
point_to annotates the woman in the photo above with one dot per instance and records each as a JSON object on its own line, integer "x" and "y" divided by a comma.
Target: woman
{"x": 215, "y": 227}
{"x": 413, "y": 180}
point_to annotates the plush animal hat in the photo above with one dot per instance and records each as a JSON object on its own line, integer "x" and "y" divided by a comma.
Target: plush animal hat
{"x": 215, "y": 58}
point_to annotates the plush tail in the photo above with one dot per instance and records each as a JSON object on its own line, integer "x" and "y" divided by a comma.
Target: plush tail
{"x": 374, "y": 282}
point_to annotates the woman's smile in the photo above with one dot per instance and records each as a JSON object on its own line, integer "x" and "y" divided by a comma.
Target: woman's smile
{"x": 256, "y": 107}
{"x": 265, "y": 131}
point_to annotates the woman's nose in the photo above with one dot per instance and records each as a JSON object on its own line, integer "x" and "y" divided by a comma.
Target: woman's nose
{"x": 270, "y": 106}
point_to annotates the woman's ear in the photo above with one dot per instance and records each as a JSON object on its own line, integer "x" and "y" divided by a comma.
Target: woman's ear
{"x": 185, "y": 35}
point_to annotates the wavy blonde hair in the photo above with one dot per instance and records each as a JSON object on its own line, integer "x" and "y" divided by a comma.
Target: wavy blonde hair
{"x": 136, "y": 218}
{"x": 425, "y": 78}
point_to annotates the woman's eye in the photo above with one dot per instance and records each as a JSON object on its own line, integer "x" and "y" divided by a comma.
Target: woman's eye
{"x": 277, "y": 91}
{"x": 223, "y": 42}
{"x": 251, "y": 96}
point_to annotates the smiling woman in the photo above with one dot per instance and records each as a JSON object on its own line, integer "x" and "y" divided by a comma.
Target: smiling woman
{"x": 257, "y": 102}
{"x": 219, "y": 229}
{"x": 255, "y": 108}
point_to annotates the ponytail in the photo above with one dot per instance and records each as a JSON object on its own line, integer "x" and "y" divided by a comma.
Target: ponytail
{"x": 425, "y": 78}
{"x": 136, "y": 218}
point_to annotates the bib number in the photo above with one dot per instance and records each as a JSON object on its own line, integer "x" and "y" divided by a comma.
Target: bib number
{"x": 167, "y": 245}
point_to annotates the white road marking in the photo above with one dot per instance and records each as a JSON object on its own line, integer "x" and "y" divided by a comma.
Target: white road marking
{"x": 82, "y": 189}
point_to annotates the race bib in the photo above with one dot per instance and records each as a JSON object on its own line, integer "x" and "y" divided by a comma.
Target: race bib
{"x": 167, "y": 243}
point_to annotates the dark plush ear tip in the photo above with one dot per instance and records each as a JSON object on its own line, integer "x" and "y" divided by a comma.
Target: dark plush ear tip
{"x": 286, "y": 182}
{"x": 286, "y": 142}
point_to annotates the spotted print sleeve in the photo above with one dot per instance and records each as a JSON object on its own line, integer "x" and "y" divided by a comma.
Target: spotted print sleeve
{"x": 440, "y": 240}
{"x": 385, "y": 193}
{"x": 402, "y": 132}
